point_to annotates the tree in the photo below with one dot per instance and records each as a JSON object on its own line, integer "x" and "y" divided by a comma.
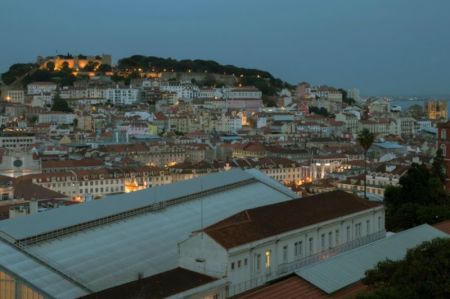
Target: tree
{"x": 345, "y": 98}
{"x": 60, "y": 104}
{"x": 50, "y": 66}
{"x": 419, "y": 198}
{"x": 365, "y": 139}
{"x": 423, "y": 273}
{"x": 319, "y": 111}
{"x": 438, "y": 166}
{"x": 65, "y": 67}
{"x": 91, "y": 66}
{"x": 103, "y": 68}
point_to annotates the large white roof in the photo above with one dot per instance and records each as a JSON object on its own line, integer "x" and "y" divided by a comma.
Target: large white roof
{"x": 114, "y": 253}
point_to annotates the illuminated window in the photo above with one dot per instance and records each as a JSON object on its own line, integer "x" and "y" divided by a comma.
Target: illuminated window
{"x": 268, "y": 259}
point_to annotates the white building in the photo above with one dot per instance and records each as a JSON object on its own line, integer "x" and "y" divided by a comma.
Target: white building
{"x": 41, "y": 87}
{"x": 247, "y": 92}
{"x": 183, "y": 90}
{"x": 41, "y": 100}
{"x": 59, "y": 118}
{"x": 14, "y": 95}
{"x": 265, "y": 243}
{"x": 354, "y": 94}
{"x": 122, "y": 96}
{"x": 16, "y": 140}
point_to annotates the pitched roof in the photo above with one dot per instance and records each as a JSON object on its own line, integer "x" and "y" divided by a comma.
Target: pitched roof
{"x": 443, "y": 226}
{"x": 29, "y": 191}
{"x": 349, "y": 267}
{"x": 263, "y": 222}
{"x": 296, "y": 287}
{"x": 157, "y": 286}
{"x": 71, "y": 163}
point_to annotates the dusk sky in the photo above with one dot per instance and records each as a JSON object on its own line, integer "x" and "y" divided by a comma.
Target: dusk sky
{"x": 382, "y": 47}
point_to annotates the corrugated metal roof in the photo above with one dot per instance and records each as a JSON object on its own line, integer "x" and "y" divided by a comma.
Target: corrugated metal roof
{"x": 36, "y": 224}
{"x": 344, "y": 269}
{"x": 36, "y": 274}
{"x": 115, "y": 253}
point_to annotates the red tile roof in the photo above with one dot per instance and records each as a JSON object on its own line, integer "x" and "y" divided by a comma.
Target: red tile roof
{"x": 263, "y": 222}
{"x": 443, "y": 226}
{"x": 71, "y": 163}
{"x": 154, "y": 287}
{"x": 296, "y": 287}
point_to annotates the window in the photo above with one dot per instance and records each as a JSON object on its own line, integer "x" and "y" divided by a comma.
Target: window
{"x": 258, "y": 262}
{"x": 358, "y": 230}
{"x": 285, "y": 253}
{"x": 336, "y": 236}
{"x": 232, "y": 266}
{"x": 348, "y": 233}
{"x": 245, "y": 262}
{"x": 367, "y": 227}
{"x": 300, "y": 248}
{"x": 322, "y": 242}
{"x": 443, "y": 134}
{"x": 239, "y": 263}
{"x": 268, "y": 258}
{"x": 311, "y": 245}
{"x": 330, "y": 239}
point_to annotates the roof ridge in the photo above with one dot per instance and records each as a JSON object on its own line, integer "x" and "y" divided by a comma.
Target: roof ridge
{"x": 234, "y": 223}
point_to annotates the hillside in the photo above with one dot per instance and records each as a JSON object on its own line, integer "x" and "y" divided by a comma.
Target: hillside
{"x": 130, "y": 67}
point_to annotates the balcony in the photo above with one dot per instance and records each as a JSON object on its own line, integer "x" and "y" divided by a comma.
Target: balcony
{"x": 288, "y": 268}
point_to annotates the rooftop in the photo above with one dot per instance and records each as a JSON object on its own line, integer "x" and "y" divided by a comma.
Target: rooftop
{"x": 262, "y": 222}
{"x": 349, "y": 267}
{"x": 105, "y": 243}
{"x": 157, "y": 286}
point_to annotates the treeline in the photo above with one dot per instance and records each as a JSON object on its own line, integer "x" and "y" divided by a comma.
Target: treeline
{"x": 262, "y": 80}
{"x": 419, "y": 198}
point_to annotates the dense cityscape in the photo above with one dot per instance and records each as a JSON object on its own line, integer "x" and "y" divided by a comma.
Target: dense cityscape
{"x": 144, "y": 176}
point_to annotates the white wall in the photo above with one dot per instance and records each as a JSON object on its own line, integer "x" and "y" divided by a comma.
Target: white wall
{"x": 201, "y": 246}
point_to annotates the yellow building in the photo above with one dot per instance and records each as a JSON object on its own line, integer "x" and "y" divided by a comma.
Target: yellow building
{"x": 437, "y": 110}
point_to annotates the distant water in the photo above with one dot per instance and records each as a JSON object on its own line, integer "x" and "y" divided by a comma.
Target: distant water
{"x": 406, "y": 103}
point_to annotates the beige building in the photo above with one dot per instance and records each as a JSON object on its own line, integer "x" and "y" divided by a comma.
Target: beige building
{"x": 437, "y": 110}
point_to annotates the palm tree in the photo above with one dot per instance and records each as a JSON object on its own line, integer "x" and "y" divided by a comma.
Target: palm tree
{"x": 365, "y": 139}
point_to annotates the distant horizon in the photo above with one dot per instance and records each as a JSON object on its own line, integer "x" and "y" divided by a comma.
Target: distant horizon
{"x": 380, "y": 47}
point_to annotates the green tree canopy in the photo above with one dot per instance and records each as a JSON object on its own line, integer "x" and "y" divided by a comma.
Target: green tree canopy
{"x": 365, "y": 140}
{"x": 91, "y": 66}
{"x": 438, "y": 166}
{"x": 50, "y": 66}
{"x": 319, "y": 111}
{"x": 423, "y": 273}
{"x": 420, "y": 198}
{"x": 60, "y": 104}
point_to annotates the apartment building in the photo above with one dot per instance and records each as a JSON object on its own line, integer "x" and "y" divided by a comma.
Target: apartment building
{"x": 41, "y": 88}
{"x": 59, "y": 118}
{"x": 16, "y": 140}
{"x": 96, "y": 183}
